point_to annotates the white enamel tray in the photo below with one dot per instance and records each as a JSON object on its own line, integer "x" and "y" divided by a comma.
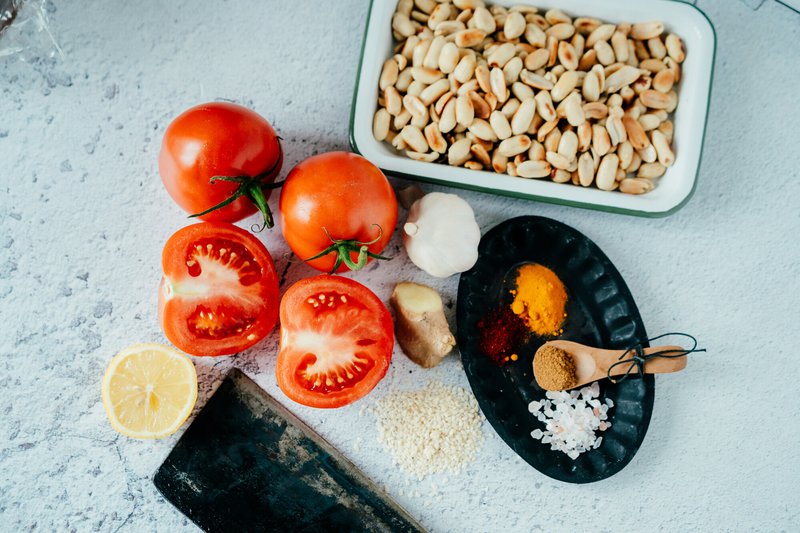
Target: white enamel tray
{"x": 674, "y": 188}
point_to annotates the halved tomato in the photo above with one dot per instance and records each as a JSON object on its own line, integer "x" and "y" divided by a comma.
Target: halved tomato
{"x": 219, "y": 293}
{"x": 336, "y": 341}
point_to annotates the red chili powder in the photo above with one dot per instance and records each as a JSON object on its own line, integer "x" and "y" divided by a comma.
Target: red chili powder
{"x": 501, "y": 333}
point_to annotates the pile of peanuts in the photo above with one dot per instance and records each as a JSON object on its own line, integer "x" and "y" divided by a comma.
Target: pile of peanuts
{"x": 531, "y": 95}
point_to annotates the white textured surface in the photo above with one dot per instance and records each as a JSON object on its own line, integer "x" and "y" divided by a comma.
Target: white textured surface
{"x": 83, "y": 217}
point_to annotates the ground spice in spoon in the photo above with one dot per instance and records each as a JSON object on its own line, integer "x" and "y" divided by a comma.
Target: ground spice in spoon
{"x": 554, "y": 369}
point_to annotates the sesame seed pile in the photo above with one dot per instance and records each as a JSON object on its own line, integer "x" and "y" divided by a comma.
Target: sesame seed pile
{"x": 432, "y": 430}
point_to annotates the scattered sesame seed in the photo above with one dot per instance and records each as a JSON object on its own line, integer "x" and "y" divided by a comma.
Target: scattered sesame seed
{"x": 431, "y": 430}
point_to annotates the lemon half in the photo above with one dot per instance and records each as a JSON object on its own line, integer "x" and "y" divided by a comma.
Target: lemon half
{"x": 149, "y": 390}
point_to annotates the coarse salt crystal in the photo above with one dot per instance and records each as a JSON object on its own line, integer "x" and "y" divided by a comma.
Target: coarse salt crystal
{"x": 571, "y": 420}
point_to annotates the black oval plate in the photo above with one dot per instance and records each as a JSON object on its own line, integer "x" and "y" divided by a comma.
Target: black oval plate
{"x": 600, "y": 312}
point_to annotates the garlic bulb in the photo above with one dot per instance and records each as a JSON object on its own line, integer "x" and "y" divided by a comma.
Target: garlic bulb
{"x": 441, "y": 235}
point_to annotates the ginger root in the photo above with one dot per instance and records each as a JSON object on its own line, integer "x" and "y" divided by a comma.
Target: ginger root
{"x": 421, "y": 326}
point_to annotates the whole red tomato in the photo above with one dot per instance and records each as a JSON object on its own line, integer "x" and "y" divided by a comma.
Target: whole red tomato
{"x": 218, "y": 161}
{"x": 337, "y": 211}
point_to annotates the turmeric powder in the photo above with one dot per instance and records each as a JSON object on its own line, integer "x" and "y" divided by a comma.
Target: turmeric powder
{"x": 540, "y": 299}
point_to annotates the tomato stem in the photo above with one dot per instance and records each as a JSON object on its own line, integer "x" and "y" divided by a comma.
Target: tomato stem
{"x": 255, "y": 194}
{"x": 343, "y": 248}
{"x": 251, "y": 187}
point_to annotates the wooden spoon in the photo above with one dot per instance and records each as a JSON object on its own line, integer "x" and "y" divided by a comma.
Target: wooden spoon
{"x": 592, "y": 364}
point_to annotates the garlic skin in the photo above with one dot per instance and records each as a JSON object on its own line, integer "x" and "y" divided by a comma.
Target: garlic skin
{"x": 441, "y": 235}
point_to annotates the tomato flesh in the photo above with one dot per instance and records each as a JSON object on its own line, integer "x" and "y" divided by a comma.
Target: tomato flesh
{"x": 219, "y": 292}
{"x": 336, "y": 341}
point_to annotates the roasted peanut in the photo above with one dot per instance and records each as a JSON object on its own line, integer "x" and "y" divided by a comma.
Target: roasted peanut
{"x": 531, "y": 95}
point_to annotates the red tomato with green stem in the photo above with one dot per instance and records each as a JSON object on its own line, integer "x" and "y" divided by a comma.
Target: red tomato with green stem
{"x": 219, "y": 292}
{"x": 219, "y": 162}
{"x": 338, "y": 211}
{"x": 336, "y": 341}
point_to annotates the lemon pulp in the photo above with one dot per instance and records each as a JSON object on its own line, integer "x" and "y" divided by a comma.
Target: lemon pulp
{"x": 149, "y": 390}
